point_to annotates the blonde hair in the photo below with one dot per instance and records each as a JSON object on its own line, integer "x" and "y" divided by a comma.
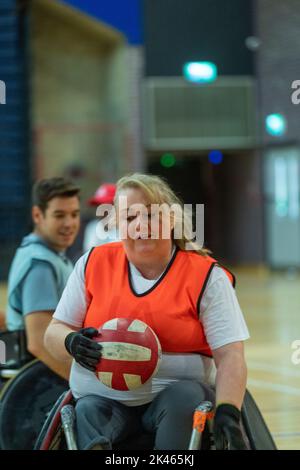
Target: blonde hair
{"x": 158, "y": 191}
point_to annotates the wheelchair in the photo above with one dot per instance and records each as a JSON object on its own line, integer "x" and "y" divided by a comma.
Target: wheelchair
{"x": 55, "y": 433}
{"x": 32, "y": 398}
{"x": 28, "y": 390}
{"x": 25, "y": 401}
{"x": 16, "y": 354}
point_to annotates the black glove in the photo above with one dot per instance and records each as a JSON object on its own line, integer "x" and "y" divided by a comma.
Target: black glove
{"x": 84, "y": 350}
{"x": 227, "y": 431}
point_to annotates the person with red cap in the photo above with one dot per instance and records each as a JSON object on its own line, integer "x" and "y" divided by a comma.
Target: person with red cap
{"x": 95, "y": 233}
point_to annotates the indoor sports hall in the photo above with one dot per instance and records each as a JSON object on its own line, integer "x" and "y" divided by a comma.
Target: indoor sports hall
{"x": 206, "y": 95}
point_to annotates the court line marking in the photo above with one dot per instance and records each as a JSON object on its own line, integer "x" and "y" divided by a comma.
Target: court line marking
{"x": 275, "y": 387}
{"x": 286, "y": 434}
{"x": 265, "y": 367}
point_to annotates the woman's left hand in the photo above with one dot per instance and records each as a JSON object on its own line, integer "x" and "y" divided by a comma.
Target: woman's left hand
{"x": 227, "y": 431}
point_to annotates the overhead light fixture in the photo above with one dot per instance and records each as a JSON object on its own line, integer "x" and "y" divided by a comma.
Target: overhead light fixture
{"x": 276, "y": 124}
{"x": 200, "y": 72}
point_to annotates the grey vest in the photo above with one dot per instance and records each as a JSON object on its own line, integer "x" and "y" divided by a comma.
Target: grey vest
{"x": 28, "y": 252}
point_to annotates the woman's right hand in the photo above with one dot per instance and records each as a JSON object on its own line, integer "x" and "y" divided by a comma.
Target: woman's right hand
{"x": 84, "y": 350}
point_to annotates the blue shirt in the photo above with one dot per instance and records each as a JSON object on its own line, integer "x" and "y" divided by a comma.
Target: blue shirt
{"x": 39, "y": 289}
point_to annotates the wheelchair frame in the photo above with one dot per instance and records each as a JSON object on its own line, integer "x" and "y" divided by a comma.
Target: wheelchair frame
{"x": 254, "y": 428}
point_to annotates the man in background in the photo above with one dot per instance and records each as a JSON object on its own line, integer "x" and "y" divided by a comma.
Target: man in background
{"x": 40, "y": 268}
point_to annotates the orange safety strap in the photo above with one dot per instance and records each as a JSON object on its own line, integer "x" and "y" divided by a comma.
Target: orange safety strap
{"x": 200, "y": 418}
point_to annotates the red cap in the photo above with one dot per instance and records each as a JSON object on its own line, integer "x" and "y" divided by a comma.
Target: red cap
{"x": 104, "y": 195}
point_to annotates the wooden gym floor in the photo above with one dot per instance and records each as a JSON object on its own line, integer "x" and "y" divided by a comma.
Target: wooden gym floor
{"x": 271, "y": 305}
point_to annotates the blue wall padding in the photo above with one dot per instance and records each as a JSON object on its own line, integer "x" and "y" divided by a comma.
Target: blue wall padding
{"x": 123, "y": 15}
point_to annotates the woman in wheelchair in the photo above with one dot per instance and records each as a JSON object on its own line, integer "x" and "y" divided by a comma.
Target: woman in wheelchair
{"x": 158, "y": 275}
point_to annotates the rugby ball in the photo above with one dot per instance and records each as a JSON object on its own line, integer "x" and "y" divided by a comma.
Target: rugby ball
{"x": 131, "y": 353}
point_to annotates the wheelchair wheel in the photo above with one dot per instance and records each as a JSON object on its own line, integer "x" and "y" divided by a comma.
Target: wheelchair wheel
{"x": 51, "y": 436}
{"x": 25, "y": 401}
{"x": 257, "y": 432}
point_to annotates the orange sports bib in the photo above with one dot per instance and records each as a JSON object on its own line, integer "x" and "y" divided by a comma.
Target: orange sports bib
{"x": 170, "y": 307}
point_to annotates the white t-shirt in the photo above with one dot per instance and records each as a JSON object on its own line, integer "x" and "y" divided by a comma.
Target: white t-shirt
{"x": 96, "y": 235}
{"x": 219, "y": 313}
